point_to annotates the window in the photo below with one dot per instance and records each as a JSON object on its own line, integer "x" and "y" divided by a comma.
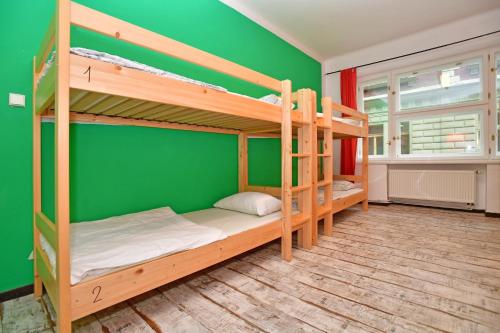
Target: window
{"x": 374, "y": 96}
{"x": 443, "y": 85}
{"x": 435, "y": 111}
{"x": 497, "y": 102}
{"x": 450, "y": 134}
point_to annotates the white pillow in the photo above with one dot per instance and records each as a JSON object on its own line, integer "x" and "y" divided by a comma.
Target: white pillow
{"x": 343, "y": 185}
{"x": 254, "y": 203}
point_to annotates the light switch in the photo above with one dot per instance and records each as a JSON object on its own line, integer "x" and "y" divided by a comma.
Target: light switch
{"x": 17, "y": 100}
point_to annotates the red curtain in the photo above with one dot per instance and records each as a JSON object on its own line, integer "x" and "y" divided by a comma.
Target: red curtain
{"x": 348, "y": 88}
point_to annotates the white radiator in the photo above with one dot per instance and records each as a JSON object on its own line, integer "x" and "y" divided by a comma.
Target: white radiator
{"x": 433, "y": 185}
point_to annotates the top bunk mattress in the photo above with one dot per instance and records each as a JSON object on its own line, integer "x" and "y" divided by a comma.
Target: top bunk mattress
{"x": 124, "y": 62}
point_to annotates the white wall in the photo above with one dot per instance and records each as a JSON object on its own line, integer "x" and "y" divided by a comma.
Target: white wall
{"x": 448, "y": 33}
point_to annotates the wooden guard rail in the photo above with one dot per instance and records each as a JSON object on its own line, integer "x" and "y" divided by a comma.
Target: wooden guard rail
{"x": 348, "y": 111}
{"x": 47, "y": 228}
{"x": 46, "y": 46}
{"x": 93, "y": 20}
{"x": 351, "y": 178}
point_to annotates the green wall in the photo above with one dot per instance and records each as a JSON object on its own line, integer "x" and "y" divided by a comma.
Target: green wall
{"x": 115, "y": 169}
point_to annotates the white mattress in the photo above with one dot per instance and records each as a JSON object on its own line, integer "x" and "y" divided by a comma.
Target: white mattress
{"x": 344, "y": 194}
{"x": 228, "y": 221}
{"x": 101, "y": 246}
{"x": 124, "y": 62}
{"x": 338, "y": 194}
{"x": 349, "y": 121}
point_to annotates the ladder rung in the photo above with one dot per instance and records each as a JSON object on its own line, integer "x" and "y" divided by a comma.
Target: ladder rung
{"x": 324, "y": 182}
{"x": 324, "y": 155}
{"x": 301, "y": 155}
{"x": 300, "y": 188}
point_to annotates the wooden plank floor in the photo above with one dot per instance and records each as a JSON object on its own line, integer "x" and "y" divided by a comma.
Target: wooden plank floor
{"x": 393, "y": 269}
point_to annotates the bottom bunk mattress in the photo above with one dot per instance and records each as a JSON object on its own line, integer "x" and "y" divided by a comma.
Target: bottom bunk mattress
{"x": 100, "y": 247}
{"x": 346, "y": 193}
{"x": 336, "y": 195}
{"x": 229, "y": 221}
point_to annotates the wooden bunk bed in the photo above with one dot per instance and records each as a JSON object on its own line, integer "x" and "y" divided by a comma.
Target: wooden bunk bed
{"x": 77, "y": 88}
{"x": 328, "y": 128}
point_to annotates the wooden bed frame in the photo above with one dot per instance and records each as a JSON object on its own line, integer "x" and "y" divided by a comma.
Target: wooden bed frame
{"x": 122, "y": 96}
{"x": 327, "y": 129}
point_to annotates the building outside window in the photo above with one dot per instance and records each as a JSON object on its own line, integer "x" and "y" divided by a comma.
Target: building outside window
{"x": 443, "y": 85}
{"x": 456, "y": 134}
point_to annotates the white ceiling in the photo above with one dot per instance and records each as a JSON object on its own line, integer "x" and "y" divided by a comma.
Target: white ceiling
{"x": 326, "y": 28}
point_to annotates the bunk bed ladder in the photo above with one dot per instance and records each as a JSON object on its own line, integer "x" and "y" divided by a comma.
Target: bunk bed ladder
{"x": 305, "y": 188}
{"x": 324, "y": 178}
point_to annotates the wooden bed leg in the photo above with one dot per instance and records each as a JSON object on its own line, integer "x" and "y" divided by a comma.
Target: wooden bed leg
{"x": 61, "y": 124}
{"x": 242, "y": 162}
{"x": 364, "y": 170}
{"x": 328, "y": 225}
{"x": 286, "y": 170}
{"x": 364, "y": 205}
{"x": 307, "y": 234}
{"x": 314, "y": 231}
{"x": 304, "y": 238}
{"x": 37, "y": 199}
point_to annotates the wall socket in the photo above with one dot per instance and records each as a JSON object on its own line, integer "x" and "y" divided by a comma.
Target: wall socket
{"x": 17, "y": 100}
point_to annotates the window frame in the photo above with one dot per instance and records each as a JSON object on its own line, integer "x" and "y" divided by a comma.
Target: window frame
{"x": 486, "y": 103}
{"x": 434, "y": 64}
{"x": 493, "y": 114}
{"x": 362, "y": 83}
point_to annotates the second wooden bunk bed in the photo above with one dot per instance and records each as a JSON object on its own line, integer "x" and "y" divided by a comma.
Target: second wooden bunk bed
{"x": 66, "y": 92}
{"x": 329, "y": 126}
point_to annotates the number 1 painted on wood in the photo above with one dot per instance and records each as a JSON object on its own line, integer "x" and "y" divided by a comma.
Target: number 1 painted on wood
{"x": 87, "y": 71}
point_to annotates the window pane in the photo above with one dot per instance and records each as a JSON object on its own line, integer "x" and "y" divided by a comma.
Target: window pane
{"x": 453, "y": 134}
{"x": 375, "y": 104}
{"x": 443, "y": 85}
{"x": 497, "y": 102}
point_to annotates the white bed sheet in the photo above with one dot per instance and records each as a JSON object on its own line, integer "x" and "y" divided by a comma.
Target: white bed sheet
{"x": 105, "y": 245}
{"x": 230, "y": 222}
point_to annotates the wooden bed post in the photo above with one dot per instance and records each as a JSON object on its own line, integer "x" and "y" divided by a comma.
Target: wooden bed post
{"x": 328, "y": 164}
{"x": 242, "y": 162}
{"x": 364, "y": 170}
{"x": 286, "y": 170}
{"x": 63, "y": 304}
{"x": 37, "y": 184}
{"x": 305, "y": 180}
{"x": 315, "y": 173}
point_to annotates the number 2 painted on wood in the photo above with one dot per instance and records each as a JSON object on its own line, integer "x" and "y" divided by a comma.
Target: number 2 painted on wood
{"x": 97, "y": 292}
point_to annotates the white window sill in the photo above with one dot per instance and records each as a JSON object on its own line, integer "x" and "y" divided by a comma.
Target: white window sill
{"x": 437, "y": 161}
